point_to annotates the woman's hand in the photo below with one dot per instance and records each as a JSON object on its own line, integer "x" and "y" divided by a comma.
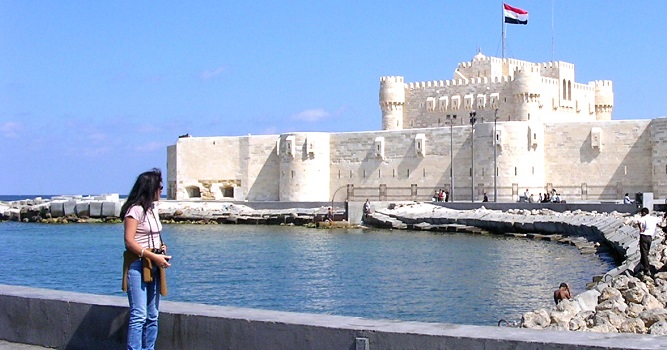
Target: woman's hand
{"x": 161, "y": 260}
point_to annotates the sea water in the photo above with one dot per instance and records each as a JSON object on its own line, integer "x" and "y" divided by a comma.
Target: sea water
{"x": 404, "y": 275}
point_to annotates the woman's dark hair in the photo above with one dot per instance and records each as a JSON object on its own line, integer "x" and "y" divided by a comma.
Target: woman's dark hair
{"x": 143, "y": 191}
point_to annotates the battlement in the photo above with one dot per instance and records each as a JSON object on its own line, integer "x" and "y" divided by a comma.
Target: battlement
{"x": 603, "y": 83}
{"x": 527, "y": 69}
{"x": 457, "y": 82}
{"x": 391, "y": 79}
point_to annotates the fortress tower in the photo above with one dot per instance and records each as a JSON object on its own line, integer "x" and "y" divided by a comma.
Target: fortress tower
{"x": 305, "y": 160}
{"x": 526, "y": 90}
{"x": 604, "y": 99}
{"x": 392, "y": 101}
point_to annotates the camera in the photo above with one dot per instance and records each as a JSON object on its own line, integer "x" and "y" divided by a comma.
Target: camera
{"x": 159, "y": 251}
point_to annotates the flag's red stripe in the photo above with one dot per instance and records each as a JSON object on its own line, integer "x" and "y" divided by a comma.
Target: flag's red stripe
{"x": 515, "y": 9}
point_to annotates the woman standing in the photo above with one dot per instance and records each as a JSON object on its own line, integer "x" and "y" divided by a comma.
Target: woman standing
{"x": 144, "y": 260}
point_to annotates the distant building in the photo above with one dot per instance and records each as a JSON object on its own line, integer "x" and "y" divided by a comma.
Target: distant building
{"x": 549, "y": 132}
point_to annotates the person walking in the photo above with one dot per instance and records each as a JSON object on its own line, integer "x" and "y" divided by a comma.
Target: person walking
{"x": 144, "y": 260}
{"x": 647, "y": 225}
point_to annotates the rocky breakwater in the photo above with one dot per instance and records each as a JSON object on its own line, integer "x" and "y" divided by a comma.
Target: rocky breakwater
{"x": 230, "y": 213}
{"x": 619, "y": 301}
{"x": 63, "y": 209}
{"x": 106, "y": 208}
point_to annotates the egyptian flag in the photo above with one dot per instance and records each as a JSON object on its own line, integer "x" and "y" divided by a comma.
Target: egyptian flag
{"x": 515, "y": 15}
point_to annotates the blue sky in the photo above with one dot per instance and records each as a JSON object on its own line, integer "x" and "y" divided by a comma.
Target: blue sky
{"x": 92, "y": 93}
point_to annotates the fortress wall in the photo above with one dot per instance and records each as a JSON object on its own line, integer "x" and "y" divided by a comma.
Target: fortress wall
{"x": 262, "y": 169}
{"x": 658, "y": 134}
{"x": 212, "y": 163}
{"x": 621, "y": 164}
{"x": 354, "y": 160}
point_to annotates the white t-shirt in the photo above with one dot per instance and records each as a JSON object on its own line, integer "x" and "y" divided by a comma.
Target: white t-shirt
{"x": 148, "y": 228}
{"x": 647, "y": 224}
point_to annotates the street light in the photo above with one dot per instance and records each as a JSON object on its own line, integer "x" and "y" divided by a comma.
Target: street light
{"x": 495, "y": 156}
{"x": 473, "y": 119}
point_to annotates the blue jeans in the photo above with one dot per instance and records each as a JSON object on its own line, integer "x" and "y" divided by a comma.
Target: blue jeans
{"x": 144, "y": 303}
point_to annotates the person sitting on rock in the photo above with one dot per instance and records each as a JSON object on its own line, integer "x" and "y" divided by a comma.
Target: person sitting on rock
{"x": 562, "y": 293}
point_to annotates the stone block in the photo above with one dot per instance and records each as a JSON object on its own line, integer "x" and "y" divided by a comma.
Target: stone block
{"x": 111, "y": 209}
{"x": 83, "y": 209}
{"x": 57, "y": 209}
{"x": 95, "y": 209}
{"x": 69, "y": 207}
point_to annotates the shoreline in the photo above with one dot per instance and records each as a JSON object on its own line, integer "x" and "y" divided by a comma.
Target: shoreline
{"x": 588, "y": 231}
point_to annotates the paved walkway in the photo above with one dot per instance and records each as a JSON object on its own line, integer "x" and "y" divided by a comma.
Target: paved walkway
{"x": 5, "y": 345}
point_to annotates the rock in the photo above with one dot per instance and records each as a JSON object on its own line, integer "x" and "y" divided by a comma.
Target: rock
{"x": 609, "y": 293}
{"x": 658, "y": 328}
{"x": 635, "y": 294}
{"x": 588, "y": 300}
{"x": 603, "y": 328}
{"x": 613, "y": 305}
{"x": 633, "y": 325}
{"x": 634, "y": 310}
{"x": 564, "y": 312}
{"x": 580, "y": 321}
{"x": 652, "y": 316}
{"x": 609, "y": 317}
{"x": 650, "y": 302}
{"x": 538, "y": 319}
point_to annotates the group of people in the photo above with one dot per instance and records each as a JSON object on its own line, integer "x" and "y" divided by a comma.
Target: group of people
{"x": 441, "y": 196}
{"x": 553, "y": 197}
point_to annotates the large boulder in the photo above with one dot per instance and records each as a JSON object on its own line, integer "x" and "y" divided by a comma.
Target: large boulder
{"x": 581, "y": 321}
{"x": 651, "y": 302}
{"x": 563, "y": 312}
{"x": 609, "y": 293}
{"x": 634, "y": 310}
{"x": 658, "y": 328}
{"x": 588, "y": 300}
{"x": 610, "y": 317}
{"x": 652, "y": 316}
{"x": 633, "y": 325}
{"x": 538, "y": 319}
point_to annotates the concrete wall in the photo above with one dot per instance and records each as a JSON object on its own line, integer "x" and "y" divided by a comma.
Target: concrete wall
{"x": 67, "y": 320}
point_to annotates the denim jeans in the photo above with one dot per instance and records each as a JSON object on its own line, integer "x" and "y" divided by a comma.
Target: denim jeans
{"x": 144, "y": 303}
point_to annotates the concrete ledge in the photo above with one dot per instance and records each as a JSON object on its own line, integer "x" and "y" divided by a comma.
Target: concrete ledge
{"x": 69, "y": 320}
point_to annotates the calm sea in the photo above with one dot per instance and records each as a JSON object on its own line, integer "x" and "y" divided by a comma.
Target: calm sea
{"x": 421, "y": 276}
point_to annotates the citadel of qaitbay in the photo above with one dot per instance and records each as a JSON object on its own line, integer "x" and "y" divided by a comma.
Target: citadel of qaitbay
{"x": 532, "y": 123}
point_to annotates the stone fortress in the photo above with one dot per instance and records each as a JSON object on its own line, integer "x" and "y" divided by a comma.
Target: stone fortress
{"x": 530, "y": 124}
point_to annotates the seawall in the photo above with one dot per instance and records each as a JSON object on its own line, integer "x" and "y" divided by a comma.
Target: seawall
{"x": 67, "y": 320}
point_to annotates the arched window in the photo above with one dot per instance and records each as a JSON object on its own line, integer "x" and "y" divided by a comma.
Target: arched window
{"x": 564, "y": 90}
{"x": 193, "y": 192}
{"x": 569, "y": 90}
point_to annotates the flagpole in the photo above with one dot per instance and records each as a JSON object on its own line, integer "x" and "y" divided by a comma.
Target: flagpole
{"x": 503, "y": 25}
{"x": 553, "y": 44}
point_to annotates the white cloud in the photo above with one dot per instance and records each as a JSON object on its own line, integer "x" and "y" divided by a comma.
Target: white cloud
{"x": 209, "y": 74}
{"x": 311, "y": 115}
{"x": 10, "y": 129}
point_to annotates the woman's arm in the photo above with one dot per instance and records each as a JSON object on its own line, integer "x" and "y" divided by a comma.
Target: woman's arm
{"x": 131, "y": 244}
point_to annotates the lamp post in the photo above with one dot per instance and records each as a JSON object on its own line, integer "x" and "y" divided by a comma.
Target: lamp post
{"x": 473, "y": 119}
{"x": 451, "y": 157}
{"x": 495, "y": 156}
